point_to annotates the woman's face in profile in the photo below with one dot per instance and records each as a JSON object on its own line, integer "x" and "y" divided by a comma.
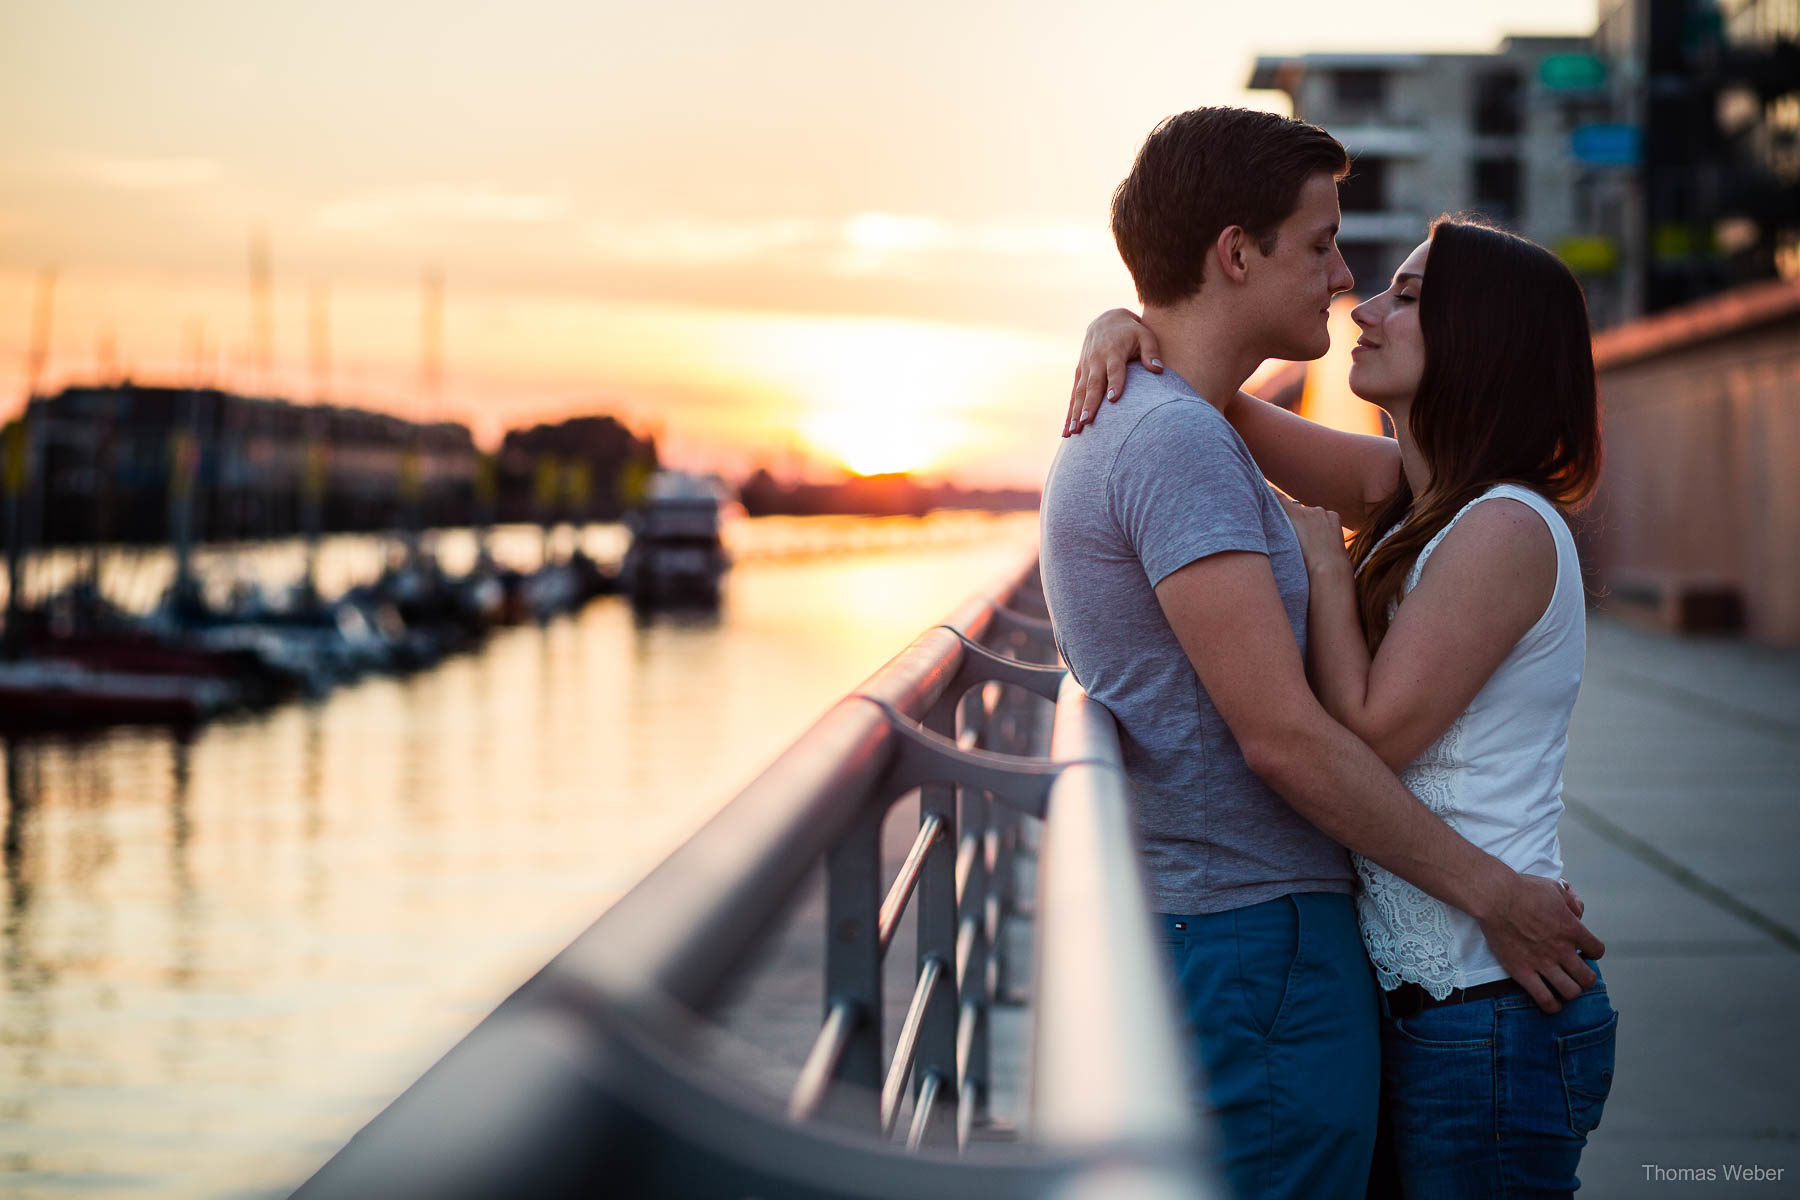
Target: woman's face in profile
{"x": 1389, "y": 358}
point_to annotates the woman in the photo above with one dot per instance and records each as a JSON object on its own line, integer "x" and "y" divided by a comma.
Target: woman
{"x": 1450, "y": 637}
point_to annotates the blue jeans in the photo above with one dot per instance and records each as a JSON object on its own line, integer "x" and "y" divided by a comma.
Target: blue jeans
{"x": 1495, "y": 1097}
{"x": 1279, "y": 1001}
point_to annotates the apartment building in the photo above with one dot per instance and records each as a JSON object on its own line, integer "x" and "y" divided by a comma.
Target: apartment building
{"x": 1660, "y": 157}
{"x": 1715, "y": 86}
{"x": 1520, "y": 136}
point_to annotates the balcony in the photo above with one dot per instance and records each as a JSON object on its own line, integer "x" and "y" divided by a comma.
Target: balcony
{"x": 1387, "y": 226}
{"x": 1384, "y": 137}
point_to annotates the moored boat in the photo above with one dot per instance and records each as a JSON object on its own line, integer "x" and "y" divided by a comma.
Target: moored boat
{"x": 677, "y": 556}
{"x": 40, "y": 693}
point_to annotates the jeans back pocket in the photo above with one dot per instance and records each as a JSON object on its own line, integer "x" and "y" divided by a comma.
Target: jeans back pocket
{"x": 1586, "y": 1059}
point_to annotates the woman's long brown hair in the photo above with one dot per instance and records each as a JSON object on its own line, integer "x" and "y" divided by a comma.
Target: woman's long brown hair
{"x": 1507, "y": 396}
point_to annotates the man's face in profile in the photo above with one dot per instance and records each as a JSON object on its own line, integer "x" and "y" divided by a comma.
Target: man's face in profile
{"x": 1290, "y": 289}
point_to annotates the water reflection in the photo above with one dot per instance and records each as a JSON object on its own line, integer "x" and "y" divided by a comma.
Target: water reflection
{"x": 223, "y": 954}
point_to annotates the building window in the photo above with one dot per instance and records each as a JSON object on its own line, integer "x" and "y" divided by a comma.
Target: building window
{"x": 1365, "y": 188}
{"x": 1360, "y": 87}
{"x": 1497, "y": 103}
{"x": 1497, "y": 188}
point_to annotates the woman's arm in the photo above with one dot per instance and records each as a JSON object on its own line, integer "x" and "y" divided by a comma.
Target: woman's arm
{"x": 1485, "y": 585}
{"x": 1352, "y": 474}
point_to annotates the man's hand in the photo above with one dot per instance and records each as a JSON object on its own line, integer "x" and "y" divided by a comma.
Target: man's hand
{"x": 1537, "y": 937}
{"x": 1321, "y": 535}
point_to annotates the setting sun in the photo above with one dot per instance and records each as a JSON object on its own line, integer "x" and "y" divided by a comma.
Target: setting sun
{"x": 874, "y": 444}
{"x": 881, "y": 395}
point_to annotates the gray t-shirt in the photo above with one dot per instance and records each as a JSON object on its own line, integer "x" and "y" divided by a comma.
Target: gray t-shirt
{"x": 1159, "y": 480}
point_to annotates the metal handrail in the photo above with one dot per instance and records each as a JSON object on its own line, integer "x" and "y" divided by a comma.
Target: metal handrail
{"x": 578, "y": 1082}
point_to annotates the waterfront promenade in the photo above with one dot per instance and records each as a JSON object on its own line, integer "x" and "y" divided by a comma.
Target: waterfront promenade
{"x": 1683, "y": 788}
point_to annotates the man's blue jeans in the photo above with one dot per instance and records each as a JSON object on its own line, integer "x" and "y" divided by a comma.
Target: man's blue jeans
{"x": 1281, "y": 1003}
{"x": 1495, "y": 1097}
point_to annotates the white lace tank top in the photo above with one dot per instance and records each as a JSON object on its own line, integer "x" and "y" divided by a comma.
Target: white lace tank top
{"x": 1495, "y": 777}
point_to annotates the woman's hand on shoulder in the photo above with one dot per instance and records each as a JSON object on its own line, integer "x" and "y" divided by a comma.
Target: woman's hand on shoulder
{"x": 1115, "y": 338}
{"x": 1321, "y": 536}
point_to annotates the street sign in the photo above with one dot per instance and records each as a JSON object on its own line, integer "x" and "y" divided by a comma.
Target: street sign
{"x": 1607, "y": 145}
{"x": 1589, "y": 254}
{"x": 1572, "y": 72}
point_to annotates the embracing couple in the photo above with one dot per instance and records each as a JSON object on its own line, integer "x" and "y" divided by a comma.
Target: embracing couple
{"x": 1346, "y": 764}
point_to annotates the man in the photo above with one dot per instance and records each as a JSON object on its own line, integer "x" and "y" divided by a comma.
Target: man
{"x": 1179, "y": 596}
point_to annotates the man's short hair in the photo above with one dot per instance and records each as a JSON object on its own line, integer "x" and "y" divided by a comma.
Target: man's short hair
{"x": 1204, "y": 170}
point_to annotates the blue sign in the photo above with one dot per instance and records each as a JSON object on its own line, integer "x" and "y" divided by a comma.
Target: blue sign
{"x": 1607, "y": 145}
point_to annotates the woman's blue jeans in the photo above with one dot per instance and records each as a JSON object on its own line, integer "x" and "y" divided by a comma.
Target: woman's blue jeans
{"x": 1495, "y": 1097}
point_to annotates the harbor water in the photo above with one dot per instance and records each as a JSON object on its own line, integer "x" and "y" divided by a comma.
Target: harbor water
{"x": 224, "y": 951}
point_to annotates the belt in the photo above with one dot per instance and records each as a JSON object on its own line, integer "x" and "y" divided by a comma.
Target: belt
{"x": 1409, "y": 999}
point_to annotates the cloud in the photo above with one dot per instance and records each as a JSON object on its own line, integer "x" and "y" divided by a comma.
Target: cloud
{"x": 442, "y": 203}
{"x": 888, "y": 233}
{"x": 713, "y": 243}
{"x": 146, "y": 174}
{"x": 864, "y": 243}
{"x": 877, "y": 241}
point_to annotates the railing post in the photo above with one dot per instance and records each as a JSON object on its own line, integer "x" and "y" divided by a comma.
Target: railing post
{"x": 937, "y": 940}
{"x": 1014, "y": 732}
{"x": 999, "y": 844}
{"x": 853, "y": 969}
{"x": 972, "y": 983}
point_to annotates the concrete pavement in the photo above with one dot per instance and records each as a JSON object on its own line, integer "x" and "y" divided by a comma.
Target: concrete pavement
{"x": 1683, "y": 794}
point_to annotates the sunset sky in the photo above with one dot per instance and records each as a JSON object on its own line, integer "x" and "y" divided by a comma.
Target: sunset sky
{"x": 784, "y": 233}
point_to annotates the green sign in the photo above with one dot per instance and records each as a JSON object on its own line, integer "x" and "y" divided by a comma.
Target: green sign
{"x": 1589, "y": 254}
{"x": 1572, "y": 72}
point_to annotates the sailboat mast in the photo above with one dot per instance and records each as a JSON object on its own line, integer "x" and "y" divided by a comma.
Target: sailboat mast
{"x": 431, "y": 382}
{"x": 19, "y": 474}
{"x": 316, "y": 462}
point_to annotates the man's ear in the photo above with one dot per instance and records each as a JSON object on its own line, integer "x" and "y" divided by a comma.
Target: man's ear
{"x": 1232, "y": 252}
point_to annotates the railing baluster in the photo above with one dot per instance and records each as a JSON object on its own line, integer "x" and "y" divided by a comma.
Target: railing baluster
{"x": 906, "y": 1050}
{"x": 928, "y": 1094}
{"x": 931, "y": 829}
{"x": 972, "y": 960}
{"x": 822, "y": 1062}
{"x": 853, "y": 970}
{"x": 937, "y": 935}
{"x": 966, "y": 860}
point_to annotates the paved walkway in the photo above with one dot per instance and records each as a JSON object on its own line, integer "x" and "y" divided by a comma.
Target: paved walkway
{"x": 1683, "y": 790}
